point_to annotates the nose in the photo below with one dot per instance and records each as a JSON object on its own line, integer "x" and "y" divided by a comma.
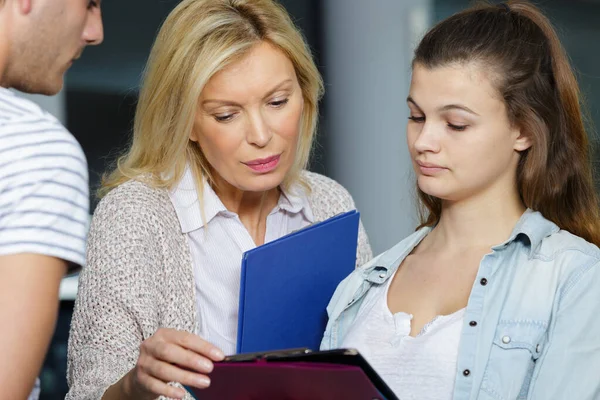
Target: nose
{"x": 93, "y": 32}
{"x": 259, "y": 133}
{"x": 427, "y": 139}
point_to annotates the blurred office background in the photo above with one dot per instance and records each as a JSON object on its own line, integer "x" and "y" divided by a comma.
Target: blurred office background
{"x": 363, "y": 48}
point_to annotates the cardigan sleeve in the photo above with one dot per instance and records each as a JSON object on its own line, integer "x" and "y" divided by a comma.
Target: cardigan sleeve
{"x": 116, "y": 304}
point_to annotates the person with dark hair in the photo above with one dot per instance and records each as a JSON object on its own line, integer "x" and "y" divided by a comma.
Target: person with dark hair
{"x": 497, "y": 293}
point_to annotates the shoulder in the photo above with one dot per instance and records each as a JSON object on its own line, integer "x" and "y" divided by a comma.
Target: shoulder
{"x": 134, "y": 206}
{"x": 135, "y": 226}
{"x": 15, "y": 107}
{"x": 134, "y": 197}
{"x": 565, "y": 245}
{"x": 327, "y": 195}
{"x": 41, "y": 158}
{"x": 552, "y": 245}
{"x": 38, "y": 140}
{"x": 20, "y": 118}
{"x": 43, "y": 183}
{"x": 574, "y": 261}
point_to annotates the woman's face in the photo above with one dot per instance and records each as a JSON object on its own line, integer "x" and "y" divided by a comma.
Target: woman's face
{"x": 248, "y": 120}
{"x": 459, "y": 137}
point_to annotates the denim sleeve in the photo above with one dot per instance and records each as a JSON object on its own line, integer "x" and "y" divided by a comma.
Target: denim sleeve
{"x": 569, "y": 368}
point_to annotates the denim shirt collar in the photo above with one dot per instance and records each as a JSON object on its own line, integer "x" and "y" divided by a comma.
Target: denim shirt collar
{"x": 532, "y": 227}
{"x": 384, "y": 265}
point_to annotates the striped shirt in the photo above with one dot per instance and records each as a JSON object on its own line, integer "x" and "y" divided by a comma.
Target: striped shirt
{"x": 44, "y": 195}
{"x": 217, "y": 248}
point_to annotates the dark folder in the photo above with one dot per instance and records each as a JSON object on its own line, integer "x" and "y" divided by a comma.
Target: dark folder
{"x": 295, "y": 375}
{"x": 286, "y": 285}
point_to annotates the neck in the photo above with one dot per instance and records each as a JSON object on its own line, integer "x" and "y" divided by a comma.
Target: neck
{"x": 251, "y": 207}
{"x": 481, "y": 221}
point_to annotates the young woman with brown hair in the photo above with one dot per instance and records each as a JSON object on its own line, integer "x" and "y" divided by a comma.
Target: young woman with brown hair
{"x": 497, "y": 294}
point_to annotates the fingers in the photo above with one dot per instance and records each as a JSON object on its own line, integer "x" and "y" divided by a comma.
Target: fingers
{"x": 165, "y": 372}
{"x": 196, "y": 344}
{"x": 157, "y": 388}
{"x": 175, "y": 354}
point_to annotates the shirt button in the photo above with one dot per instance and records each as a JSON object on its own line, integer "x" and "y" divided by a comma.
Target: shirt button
{"x": 483, "y": 281}
{"x": 538, "y": 348}
{"x": 382, "y": 276}
{"x": 473, "y": 323}
{"x": 466, "y": 372}
{"x": 506, "y": 339}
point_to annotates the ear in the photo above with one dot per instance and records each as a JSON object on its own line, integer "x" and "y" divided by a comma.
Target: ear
{"x": 194, "y": 135}
{"x": 522, "y": 141}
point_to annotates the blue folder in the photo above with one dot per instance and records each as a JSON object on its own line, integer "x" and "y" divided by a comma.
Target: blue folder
{"x": 286, "y": 285}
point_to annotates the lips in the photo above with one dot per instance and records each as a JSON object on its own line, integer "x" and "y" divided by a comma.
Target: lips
{"x": 264, "y": 165}
{"x": 430, "y": 169}
{"x": 429, "y": 165}
{"x": 260, "y": 161}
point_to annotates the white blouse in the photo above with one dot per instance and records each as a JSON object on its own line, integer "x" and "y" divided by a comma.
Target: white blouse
{"x": 421, "y": 367}
{"x": 217, "y": 247}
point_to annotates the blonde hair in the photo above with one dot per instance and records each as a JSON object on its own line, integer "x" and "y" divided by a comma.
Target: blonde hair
{"x": 198, "y": 39}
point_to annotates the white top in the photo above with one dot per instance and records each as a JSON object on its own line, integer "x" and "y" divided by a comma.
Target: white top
{"x": 217, "y": 248}
{"x": 44, "y": 195}
{"x": 421, "y": 367}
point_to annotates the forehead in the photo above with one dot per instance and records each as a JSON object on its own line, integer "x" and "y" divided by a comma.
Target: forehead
{"x": 464, "y": 83}
{"x": 257, "y": 71}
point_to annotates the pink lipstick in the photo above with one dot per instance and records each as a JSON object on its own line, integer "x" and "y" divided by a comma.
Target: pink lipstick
{"x": 264, "y": 165}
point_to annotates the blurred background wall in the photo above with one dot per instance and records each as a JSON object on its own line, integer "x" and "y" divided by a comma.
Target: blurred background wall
{"x": 363, "y": 48}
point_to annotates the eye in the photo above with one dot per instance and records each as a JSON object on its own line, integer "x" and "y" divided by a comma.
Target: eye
{"x": 458, "y": 128}
{"x": 92, "y": 4}
{"x": 279, "y": 103}
{"x": 417, "y": 119}
{"x": 224, "y": 117}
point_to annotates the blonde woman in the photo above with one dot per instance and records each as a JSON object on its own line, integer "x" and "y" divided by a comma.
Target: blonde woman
{"x": 222, "y": 136}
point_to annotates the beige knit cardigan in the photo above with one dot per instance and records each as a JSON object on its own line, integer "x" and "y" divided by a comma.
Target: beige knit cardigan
{"x": 139, "y": 278}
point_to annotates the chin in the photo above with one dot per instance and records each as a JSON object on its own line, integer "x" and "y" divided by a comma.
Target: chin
{"x": 52, "y": 89}
{"x": 434, "y": 189}
{"x": 263, "y": 183}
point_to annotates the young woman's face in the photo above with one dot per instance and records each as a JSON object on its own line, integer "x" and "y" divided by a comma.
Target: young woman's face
{"x": 248, "y": 120}
{"x": 459, "y": 137}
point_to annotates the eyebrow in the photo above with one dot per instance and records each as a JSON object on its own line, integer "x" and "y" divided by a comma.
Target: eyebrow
{"x": 447, "y": 107}
{"x": 233, "y": 103}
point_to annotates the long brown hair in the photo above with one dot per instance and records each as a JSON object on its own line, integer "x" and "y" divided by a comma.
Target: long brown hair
{"x": 534, "y": 77}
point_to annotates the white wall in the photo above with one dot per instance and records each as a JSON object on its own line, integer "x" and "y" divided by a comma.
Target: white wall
{"x": 367, "y": 55}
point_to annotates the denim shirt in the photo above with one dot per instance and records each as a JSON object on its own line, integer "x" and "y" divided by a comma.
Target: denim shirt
{"x": 532, "y": 323}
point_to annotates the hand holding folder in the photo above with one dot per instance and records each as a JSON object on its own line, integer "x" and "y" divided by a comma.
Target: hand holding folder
{"x": 295, "y": 375}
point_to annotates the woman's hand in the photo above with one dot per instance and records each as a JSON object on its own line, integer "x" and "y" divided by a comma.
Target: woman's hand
{"x": 170, "y": 356}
